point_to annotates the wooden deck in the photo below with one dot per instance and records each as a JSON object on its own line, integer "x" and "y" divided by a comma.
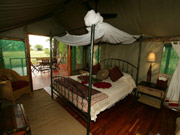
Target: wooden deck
{"x": 42, "y": 79}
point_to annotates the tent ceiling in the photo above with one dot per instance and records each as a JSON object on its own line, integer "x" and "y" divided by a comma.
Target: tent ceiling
{"x": 14, "y": 13}
{"x": 154, "y": 18}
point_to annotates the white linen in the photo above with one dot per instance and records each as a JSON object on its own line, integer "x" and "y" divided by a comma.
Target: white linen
{"x": 120, "y": 89}
{"x": 104, "y": 32}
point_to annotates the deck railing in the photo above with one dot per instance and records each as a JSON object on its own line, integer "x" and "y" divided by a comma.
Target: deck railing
{"x": 19, "y": 64}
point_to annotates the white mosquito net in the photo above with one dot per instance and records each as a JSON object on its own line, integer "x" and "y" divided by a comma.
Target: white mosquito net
{"x": 104, "y": 32}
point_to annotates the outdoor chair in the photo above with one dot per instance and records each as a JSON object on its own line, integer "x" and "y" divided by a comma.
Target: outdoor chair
{"x": 34, "y": 67}
{"x": 56, "y": 63}
{"x": 14, "y": 85}
{"x": 45, "y": 65}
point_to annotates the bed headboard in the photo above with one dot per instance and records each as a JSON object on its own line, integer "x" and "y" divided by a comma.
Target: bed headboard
{"x": 123, "y": 65}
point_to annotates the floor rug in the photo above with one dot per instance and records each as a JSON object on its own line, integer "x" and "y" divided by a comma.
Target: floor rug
{"x": 47, "y": 117}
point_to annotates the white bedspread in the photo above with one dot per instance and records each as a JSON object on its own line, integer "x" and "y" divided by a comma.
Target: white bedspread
{"x": 119, "y": 90}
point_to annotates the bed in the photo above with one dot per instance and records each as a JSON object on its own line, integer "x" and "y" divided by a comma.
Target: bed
{"x": 69, "y": 89}
{"x": 76, "y": 94}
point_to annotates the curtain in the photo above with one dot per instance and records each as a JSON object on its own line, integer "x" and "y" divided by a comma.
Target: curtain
{"x": 174, "y": 88}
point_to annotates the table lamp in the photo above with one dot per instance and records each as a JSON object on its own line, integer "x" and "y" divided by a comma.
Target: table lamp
{"x": 151, "y": 59}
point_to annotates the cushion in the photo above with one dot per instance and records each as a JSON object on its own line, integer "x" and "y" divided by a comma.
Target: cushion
{"x": 103, "y": 74}
{"x": 3, "y": 77}
{"x": 19, "y": 84}
{"x": 95, "y": 69}
{"x": 10, "y": 77}
{"x": 115, "y": 74}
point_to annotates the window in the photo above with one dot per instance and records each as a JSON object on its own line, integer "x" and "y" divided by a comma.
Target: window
{"x": 97, "y": 54}
{"x": 12, "y": 56}
{"x": 77, "y": 57}
{"x": 169, "y": 60}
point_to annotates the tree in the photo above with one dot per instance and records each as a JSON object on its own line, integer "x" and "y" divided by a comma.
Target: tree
{"x": 31, "y": 48}
{"x": 47, "y": 51}
{"x": 62, "y": 49}
{"x": 38, "y": 47}
{"x": 12, "y": 45}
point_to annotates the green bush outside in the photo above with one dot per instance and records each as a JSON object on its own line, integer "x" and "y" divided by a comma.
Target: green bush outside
{"x": 16, "y": 56}
{"x": 173, "y": 61}
{"x": 10, "y": 55}
{"x": 35, "y": 54}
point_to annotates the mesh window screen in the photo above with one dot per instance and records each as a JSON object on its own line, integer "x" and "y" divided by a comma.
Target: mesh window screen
{"x": 77, "y": 57}
{"x": 169, "y": 60}
{"x": 96, "y": 56}
{"x": 12, "y": 56}
{"x": 62, "y": 52}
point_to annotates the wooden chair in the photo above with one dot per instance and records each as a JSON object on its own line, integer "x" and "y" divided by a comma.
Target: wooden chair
{"x": 15, "y": 85}
{"x": 34, "y": 67}
{"x": 45, "y": 65}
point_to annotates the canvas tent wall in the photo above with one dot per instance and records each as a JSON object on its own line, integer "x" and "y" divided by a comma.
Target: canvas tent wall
{"x": 43, "y": 27}
{"x": 130, "y": 53}
{"x": 150, "y": 18}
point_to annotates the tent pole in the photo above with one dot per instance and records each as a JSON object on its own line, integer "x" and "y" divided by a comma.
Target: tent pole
{"x": 139, "y": 59}
{"x": 90, "y": 77}
{"x": 51, "y": 65}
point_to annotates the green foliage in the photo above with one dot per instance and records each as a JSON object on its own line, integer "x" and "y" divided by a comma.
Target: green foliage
{"x": 79, "y": 55}
{"x": 11, "y": 45}
{"x": 35, "y": 54}
{"x": 168, "y": 68}
{"x": 39, "y": 54}
{"x": 38, "y": 47}
{"x": 10, "y": 55}
{"x": 97, "y": 53}
{"x": 21, "y": 55}
{"x": 47, "y": 51}
{"x": 13, "y": 52}
{"x": 62, "y": 49}
{"x": 31, "y": 48}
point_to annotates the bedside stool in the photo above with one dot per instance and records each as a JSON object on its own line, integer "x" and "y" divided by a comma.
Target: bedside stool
{"x": 151, "y": 94}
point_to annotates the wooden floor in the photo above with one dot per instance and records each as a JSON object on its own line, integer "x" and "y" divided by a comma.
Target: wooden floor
{"x": 129, "y": 117}
{"x": 42, "y": 79}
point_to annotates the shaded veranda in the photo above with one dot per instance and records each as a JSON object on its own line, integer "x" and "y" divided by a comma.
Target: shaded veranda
{"x": 42, "y": 79}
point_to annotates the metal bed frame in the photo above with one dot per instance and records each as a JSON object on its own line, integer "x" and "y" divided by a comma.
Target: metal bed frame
{"x": 61, "y": 88}
{"x": 123, "y": 66}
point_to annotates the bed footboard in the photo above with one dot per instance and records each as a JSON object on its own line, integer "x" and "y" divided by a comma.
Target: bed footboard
{"x": 71, "y": 92}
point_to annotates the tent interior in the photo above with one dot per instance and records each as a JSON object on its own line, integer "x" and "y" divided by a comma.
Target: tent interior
{"x": 157, "y": 22}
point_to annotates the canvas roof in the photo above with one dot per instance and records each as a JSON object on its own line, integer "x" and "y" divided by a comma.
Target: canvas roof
{"x": 152, "y": 18}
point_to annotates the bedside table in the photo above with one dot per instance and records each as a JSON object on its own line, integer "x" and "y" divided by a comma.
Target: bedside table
{"x": 151, "y": 94}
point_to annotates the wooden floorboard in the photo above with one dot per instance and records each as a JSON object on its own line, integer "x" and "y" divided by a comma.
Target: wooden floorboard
{"x": 42, "y": 79}
{"x": 129, "y": 117}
